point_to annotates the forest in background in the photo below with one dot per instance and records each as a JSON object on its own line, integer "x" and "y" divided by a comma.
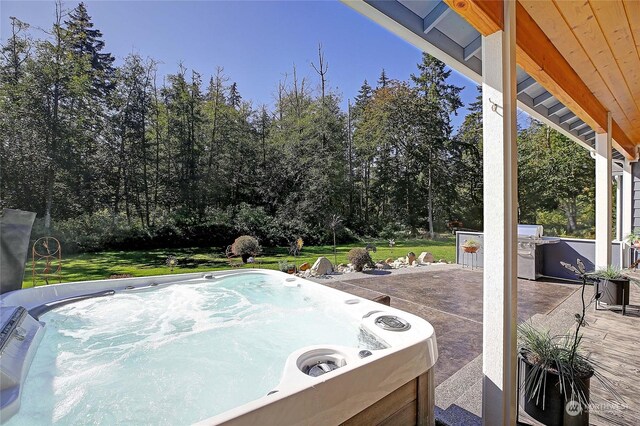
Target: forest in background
{"x": 122, "y": 157}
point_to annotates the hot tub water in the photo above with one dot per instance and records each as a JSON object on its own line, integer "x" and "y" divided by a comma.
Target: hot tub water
{"x": 176, "y": 354}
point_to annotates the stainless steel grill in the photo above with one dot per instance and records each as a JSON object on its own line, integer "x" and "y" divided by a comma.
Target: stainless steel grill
{"x": 530, "y": 252}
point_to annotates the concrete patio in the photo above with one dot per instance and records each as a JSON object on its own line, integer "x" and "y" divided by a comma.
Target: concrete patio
{"x": 450, "y": 298}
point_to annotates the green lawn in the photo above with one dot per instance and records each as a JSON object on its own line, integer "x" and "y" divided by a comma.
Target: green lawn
{"x": 96, "y": 266}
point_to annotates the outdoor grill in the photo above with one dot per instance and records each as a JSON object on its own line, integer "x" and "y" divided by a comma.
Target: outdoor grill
{"x": 530, "y": 253}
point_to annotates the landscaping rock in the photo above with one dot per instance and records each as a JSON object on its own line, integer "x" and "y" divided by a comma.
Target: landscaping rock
{"x": 383, "y": 265}
{"x": 389, "y": 260}
{"x": 322, "y": 266}
{"x": 443, "y": 261}
{"x": 426, "y": 257}
{"x": 304, "y": 266}
{"x": 304, "y": 274}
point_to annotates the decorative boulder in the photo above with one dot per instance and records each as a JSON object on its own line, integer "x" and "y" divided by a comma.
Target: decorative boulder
{"x": 411, "y": 258}
{"x": 426, "y": 257}
{"x": 322, "y": 266}
{"x": 304, "y": 266}
{"x": 382, "y": 265}
{"x": 443, "y": 261}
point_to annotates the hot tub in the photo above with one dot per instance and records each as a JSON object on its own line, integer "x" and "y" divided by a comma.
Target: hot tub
{"x": 249, "y": 347}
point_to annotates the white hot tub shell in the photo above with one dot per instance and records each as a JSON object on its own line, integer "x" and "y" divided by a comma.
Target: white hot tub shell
{"x": 363, "y": 379}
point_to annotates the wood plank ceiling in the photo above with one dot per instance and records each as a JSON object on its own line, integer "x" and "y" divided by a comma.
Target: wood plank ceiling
{"x": 600, "y": 39}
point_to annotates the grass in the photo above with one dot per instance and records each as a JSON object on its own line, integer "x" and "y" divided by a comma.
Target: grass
{"x": 97, "y": 266}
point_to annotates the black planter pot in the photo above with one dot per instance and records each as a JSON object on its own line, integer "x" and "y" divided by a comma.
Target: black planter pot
{"x": 612, "y": 291}
{"x": 554, "y": 412}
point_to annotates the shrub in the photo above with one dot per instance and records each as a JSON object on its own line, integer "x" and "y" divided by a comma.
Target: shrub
{"x": 359, "y": 258}
{"x": 245, "y": 246}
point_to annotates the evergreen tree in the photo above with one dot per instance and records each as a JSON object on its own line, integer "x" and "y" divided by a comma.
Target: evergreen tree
{"x": 467, "y": 155}
{"x": 383, "y": 79}
{"x": 438, "y": 100}
{"x": 83, "y": 40}
{"x": 362, "y": 99}
{"x": 234, "y": 96}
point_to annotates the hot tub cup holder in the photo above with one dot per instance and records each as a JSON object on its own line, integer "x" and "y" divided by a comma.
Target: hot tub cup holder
{"x": 291, "y": 282}
{"x": 392, "y": 323}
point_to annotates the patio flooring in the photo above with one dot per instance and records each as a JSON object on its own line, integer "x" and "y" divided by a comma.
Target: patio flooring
{"x": 450, "y": 298}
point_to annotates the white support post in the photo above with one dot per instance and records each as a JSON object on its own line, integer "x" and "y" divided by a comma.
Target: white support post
{"x": 499, "y": 403}
{"x": 603, "y": 197}
{"x": 618, "y": 180}
{"x": 627, "y": 208}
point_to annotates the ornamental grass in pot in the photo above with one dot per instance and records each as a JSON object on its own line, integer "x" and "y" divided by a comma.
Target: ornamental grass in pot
{"x": 611, "y": 283}
{"x": 556, "y": 377}
{"x": 633, "y": 239}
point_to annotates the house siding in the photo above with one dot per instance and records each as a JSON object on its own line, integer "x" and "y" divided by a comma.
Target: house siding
{"x": 635, "y": 215}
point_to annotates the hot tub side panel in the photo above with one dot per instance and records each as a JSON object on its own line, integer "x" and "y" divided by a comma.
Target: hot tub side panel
{"x": 410, "y": 404}
{"x": 399, "y": 383}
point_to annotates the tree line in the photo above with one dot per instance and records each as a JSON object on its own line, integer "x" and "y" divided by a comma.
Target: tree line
{"x": 118, "y": 155}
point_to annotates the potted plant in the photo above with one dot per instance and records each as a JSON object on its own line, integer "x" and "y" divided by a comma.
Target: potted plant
{"x": 612, "y": 284}
{"x": 287, "y": 267}
{"x": 634, "y": 238}
{"x": 555, "y": 375}
{"x": 471, "y": 245}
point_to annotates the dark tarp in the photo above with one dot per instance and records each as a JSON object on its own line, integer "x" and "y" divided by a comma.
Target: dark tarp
{"x": 15, "y": 232}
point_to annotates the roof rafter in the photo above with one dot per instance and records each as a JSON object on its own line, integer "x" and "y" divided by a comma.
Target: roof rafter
{"x": 472, "y": 48}
{"x": 435, "y": 16}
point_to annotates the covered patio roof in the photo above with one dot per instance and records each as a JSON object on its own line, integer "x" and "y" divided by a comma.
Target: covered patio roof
{"x": 576, "y": 60}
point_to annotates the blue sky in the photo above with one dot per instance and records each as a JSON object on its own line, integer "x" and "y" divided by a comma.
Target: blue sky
{"x": 257, "y": 42}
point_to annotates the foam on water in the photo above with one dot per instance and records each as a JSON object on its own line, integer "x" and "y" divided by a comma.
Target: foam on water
{"x": 177, "y": 354}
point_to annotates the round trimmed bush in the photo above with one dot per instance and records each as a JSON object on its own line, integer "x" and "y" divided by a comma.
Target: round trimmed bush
{"x": 245, "y": 246}
{"x": 359, "y": 258}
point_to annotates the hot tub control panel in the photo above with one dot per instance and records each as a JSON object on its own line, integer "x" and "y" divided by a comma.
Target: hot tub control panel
{"x": 20, "y": 334}
{"x": 9, "y": 327}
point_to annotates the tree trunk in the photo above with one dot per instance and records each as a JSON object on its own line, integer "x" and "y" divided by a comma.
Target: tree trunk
{"x": 49, "y": 199}
{"x": 350, "y": 153}
{"x": 366, "y": 193}
{"x": 430, "y": 203}
{"x": 570, "y": 209}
